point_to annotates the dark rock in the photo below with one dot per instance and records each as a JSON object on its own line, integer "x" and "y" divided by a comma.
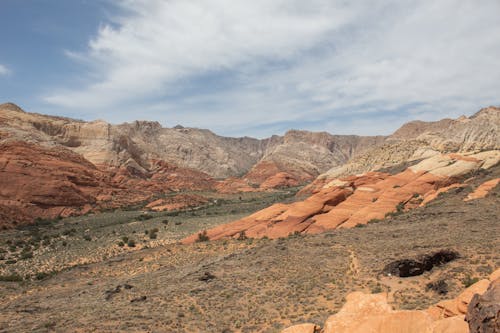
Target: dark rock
{"x": 412, "y": 267}
{"x": 207, "y": 277}
{"x": 483, "y": 312}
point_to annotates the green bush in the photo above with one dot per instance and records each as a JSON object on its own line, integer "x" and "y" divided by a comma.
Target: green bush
{"x": 131, "y": 243}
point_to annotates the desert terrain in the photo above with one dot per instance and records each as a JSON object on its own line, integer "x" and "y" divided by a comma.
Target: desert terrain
{"x": 101, "y": 232}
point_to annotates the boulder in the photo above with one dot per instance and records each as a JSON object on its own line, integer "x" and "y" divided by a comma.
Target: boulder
{"x": 483, "y": 312}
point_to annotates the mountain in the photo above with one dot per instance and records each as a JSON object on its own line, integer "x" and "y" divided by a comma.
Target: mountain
{"x": 55, "y": 166}
{"x": 304, "y": 154}
{"x": 417, "y": 140}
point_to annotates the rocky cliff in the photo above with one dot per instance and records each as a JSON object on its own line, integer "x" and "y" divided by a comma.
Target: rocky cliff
{"x": 301, "y": 153}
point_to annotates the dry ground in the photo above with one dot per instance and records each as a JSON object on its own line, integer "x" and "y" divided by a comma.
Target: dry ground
{"x": 260, "y": 285}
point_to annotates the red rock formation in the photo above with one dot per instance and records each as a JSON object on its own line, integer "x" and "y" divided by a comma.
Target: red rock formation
{"x": 483, "y": 189}
{"x": 180, "y": 201}
{"x": 280, "y": 180}
{"x": 353, "y": 200}
{"x": 43, "y": 182}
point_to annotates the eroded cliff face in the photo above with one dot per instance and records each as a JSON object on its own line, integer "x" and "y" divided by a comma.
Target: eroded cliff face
{"x": 418, "y": 140}
{"x": 48, "y": 182}
{"x": 302, "y": 154}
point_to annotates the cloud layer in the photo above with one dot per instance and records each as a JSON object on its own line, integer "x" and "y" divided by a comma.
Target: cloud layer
{"x": 259, "y": 67}
{"x": 4, "y": 70}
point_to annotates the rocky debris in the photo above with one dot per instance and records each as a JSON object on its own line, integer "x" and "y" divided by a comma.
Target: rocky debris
{"x": 372, "y": 313}
{"x": 346, "y": 202}
{"x": 483, "y": 311}
{"x": 412, "y": 267}
{"x": 483, "y": 189}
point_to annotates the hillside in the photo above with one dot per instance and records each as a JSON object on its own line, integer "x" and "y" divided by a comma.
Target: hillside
{"x": 305, "y": 154}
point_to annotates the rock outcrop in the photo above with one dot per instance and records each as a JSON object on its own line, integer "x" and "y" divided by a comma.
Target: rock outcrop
{"x": 483, "y": 189}
{"x": 49, "y": 182}
{"x": 371, "y": 313}
{"x": 419, "y": 140}
{"x": 349, "y": 201}
{"x": 302, "y": 154}
{"x": 483, "y": 311}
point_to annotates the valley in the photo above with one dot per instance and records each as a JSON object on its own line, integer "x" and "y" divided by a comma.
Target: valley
{"x": 257, "y": 285}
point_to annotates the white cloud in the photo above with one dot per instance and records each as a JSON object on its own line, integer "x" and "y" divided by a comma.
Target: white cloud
{"x": 4, "y": 70}
{"x": 291, "y": 61}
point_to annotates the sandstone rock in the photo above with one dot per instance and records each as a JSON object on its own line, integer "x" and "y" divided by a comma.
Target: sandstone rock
{"x": 483, "y": 313}
{"x": 280, "y": 180}
{"x": 371, "y": 313}
{"x": 483, "y": 189}
{"x": 177, "y": 202}
{"x": 302, "y": 328}
{"x": 349, "y": 201}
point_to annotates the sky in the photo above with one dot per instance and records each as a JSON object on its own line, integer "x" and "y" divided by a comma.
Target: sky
{"x": 252, "y": 68}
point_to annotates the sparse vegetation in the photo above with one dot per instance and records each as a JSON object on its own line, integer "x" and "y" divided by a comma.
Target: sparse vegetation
{"x": 203, "y": 237}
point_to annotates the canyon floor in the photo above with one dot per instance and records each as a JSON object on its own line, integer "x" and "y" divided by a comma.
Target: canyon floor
{"x": 75, "y": 275}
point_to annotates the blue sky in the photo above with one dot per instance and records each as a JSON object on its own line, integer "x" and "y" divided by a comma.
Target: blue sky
{"x": 252, "y": 68}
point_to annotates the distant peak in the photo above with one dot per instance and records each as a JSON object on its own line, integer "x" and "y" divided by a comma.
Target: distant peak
{"x": 11, "y": 107}
{"x": 490, "y": 110}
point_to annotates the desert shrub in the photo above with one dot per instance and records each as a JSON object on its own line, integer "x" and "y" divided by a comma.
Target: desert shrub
{"x": 125, "y": 239}
{"x": 165, "y": 222}
{"x": 153, "y": 233}
{"x": 468, "y": 281}
{"x": 11, "y": 261}
{"x": 87, "y": 238}
{"x": 42, "y": 275}
{"x": 69, "y": 232}
{"x": 400, "y": 207}
{"x": 11, "y": 278}
{"x": 440, "y": 287}
{"x": 131, "y": 243}
{"x": 144, "y": 217}
{"x": 203, "y": 237}
{"x": 121, "y": 244}
{"x": 242, "y": 235}
{"x": 374, "y": 221}
{"x": 26, "y": 255}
